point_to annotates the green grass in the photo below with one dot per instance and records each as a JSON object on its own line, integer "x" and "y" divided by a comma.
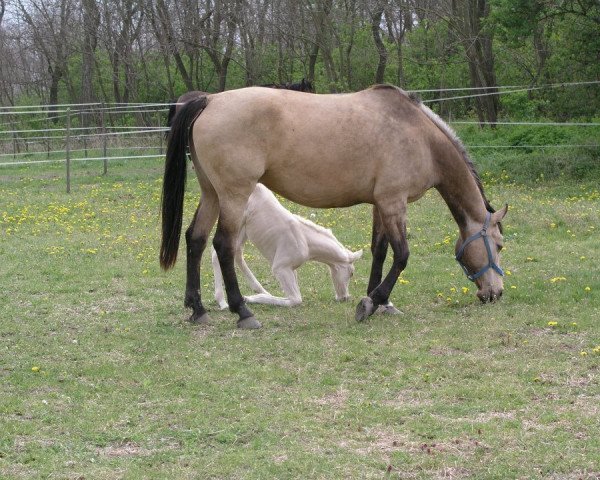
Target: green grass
{"x": 103, "y": 378}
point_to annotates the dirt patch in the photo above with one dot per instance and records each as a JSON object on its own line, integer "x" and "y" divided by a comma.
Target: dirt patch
{"x": 127, "y": 449}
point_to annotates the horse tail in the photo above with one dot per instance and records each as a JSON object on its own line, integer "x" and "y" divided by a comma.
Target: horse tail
{"x": 174, "y": 179}
{"x": 170, "y": 116}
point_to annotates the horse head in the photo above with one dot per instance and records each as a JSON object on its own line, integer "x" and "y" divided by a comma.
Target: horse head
{"x": 479, "y": 257}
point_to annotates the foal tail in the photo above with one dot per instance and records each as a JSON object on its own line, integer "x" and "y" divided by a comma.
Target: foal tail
{"x": 174, "y": 179}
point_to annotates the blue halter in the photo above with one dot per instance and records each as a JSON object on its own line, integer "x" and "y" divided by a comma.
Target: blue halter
{"x": 491, "y": 264}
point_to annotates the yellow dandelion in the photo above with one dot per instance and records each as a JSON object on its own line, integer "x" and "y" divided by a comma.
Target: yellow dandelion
{"x": 583, "y": 353}
{"x": 465, "y": 289}
{"x": 508, "y": 272}
{"x": 552, "y": 324}
{"x": 553, "y": 225}
{"x": 514, "y": 287}
{"x": 453, "y": 290}
{"x": 587, "y": 289}
{"x": 35, "y": 369}
{"x": 557, "y": 279}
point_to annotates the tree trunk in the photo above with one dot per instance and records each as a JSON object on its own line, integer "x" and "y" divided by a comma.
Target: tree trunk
{"x": 381, "y": 50}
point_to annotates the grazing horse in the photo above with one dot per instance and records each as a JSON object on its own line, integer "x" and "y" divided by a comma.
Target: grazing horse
{"x": 287, "y": 241}
{"x": 377, "y": 146}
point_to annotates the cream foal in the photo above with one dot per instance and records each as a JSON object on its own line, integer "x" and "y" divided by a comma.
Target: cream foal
{"x": 287, "y": 241}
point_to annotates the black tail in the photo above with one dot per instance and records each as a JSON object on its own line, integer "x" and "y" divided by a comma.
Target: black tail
{"x": 174, "y": 179}
{"x": 170, "y": 116}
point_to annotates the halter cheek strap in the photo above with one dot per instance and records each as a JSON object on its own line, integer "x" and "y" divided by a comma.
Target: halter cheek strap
{"x": 491, "y": 264}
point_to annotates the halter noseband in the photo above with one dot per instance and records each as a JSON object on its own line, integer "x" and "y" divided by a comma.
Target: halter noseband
{"x": 491, "y": 264}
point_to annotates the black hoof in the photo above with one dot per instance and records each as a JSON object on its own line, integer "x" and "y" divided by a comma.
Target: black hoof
{"x": 249, "y": 323}
{"x": 364, "y": 309}
{"x": 199, "y": 319}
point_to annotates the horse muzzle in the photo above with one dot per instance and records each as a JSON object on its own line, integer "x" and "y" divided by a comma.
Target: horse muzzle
{"x": 489, "y": 295}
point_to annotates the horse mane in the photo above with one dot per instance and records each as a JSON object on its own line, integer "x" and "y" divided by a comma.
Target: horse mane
{"x": 448, "y": 131}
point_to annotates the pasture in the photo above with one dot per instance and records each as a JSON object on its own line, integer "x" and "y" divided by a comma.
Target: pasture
{"x": 103, "y": 378}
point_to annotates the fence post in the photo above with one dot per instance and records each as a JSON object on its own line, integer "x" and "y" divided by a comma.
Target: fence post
{"x": 104, "y": 139}
{"x": 68, "y": 150}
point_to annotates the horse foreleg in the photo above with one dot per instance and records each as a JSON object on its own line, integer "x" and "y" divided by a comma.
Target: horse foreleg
{"x": 395, "y": 229}
{"x": 230, "y": 218}
{"x": 379, "y": 248}
{"x": 196, "y": 237}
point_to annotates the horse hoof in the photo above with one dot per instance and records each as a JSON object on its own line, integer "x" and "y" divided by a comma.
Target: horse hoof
{"x": 364, "y": 309}
{"x": 202, "y": 319}
{"x": 388, "y": 309}
{"x": 249, "y": 323}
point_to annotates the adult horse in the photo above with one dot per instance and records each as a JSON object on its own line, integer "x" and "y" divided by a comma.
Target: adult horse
{"x": 376, "y": 146}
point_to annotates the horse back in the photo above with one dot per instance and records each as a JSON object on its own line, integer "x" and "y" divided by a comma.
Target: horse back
{"x": 317, "y": 150}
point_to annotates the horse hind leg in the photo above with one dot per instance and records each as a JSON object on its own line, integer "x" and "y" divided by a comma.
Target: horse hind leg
{"x": 196, "y": 237}
{"x": 230, "y": 219}
{"x": 394, "y": 226}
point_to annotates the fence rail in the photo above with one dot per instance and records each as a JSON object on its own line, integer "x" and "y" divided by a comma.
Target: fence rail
{"x": 99, "y": 132}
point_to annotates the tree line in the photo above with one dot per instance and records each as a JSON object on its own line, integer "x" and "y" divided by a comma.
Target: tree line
{"x": 82, "y": 51}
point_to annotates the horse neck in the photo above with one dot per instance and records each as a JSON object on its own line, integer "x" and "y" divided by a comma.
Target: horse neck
{"x": 460, "y": 191}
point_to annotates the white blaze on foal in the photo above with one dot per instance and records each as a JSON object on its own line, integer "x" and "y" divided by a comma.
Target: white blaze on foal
{"x": 287, "y": 241}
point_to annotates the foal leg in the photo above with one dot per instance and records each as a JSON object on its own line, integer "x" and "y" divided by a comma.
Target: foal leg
{"x": 230, "y": 219}
{"x": 393, "y": 221}
{"x": 196, "y": 237}
{"x": 288, "y": 280}
{"x": 218, "y": 279}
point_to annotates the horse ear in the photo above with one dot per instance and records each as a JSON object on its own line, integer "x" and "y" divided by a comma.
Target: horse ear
{"x": 355, "y": 255}
{"x": 499, "y": 215}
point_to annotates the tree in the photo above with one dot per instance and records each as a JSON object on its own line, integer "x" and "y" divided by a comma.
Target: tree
{"x": 50, "y": 23}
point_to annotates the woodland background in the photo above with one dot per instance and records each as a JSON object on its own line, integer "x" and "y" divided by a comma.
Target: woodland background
{"x": 80, "y": 51}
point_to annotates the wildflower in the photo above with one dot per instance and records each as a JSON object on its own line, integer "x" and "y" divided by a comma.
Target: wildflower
{"x": 508, "y": 272}
{"x": 583, "y": 353}
{"x": 465, "y": 289}
{"x": 403, "y": 281}
{"x": 596, "y": 350}
{"x": 587, "y": 289}
{"x": 574, "y": 324}
{"x": 553, "y": 225}
{"x": 557, "y": 279}
{"x": 552, "y": 324}
{"x": 513, "y": 287}
{"x": 35, "y": 369}
{"x": 453, "y": 290}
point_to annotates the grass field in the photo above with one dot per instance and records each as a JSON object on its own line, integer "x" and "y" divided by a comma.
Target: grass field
{"x": 103, "y": 378}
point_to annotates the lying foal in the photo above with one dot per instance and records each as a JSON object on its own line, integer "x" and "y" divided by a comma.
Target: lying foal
{"x": 287, "y": 241}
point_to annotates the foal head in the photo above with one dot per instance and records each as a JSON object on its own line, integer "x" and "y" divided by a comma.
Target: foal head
{"x": 479, "y": 256}
{"x": 341, "y": 273}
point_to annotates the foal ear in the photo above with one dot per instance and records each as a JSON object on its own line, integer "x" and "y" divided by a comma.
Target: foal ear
{"x": 355, "y": 255}
{"x": 499, "y": 215}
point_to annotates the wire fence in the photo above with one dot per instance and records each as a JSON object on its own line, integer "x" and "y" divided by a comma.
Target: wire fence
{"x": 98, "y": 132}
